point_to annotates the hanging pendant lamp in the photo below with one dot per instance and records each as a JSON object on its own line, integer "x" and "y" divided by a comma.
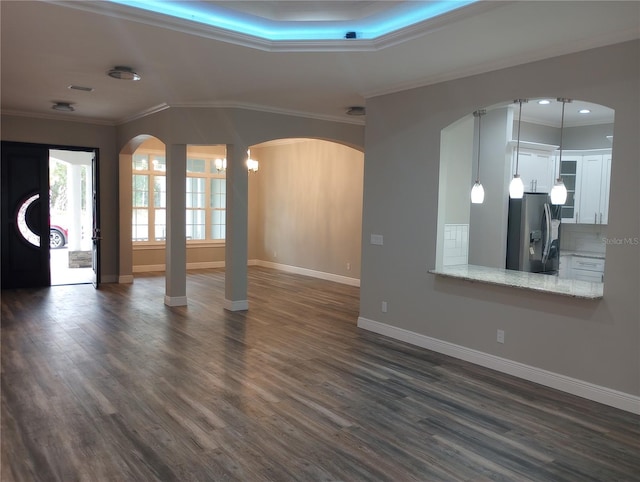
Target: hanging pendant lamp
{"x": 516, "y": 188}
{"x": 559, "y": 190}
{"x": 477, "y": 191}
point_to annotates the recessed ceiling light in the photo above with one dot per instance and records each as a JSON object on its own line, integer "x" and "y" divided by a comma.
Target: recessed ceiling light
{"x": 63, "y": 107}
{"x": 123, "y": 73}
{"x": 584, "y": 111}
{"x": 544, "y": 102}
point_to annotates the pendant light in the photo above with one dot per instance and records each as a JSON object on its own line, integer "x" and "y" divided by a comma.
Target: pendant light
{"x": 516, "y": 188}
{"x": 477, "y": 191}
{"x": 559, "y": 190}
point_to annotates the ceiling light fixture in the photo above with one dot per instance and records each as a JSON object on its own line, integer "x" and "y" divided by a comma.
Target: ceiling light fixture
{"x": 584, "y": 111}
{"x": 477, "y": 191}
{"x": 544, "y": 102}
{"x": 356, "y": 110}
{"x": 559, "y": 190}
{"x": 516, "y": 188}
{"x": 63, "y": 107}
{"x": 123, "y": 73}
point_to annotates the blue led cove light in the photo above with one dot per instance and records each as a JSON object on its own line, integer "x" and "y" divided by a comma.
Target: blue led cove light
{"x": 369, "y": 28}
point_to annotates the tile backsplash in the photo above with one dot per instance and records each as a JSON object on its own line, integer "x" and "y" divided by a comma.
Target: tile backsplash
{"x": 583, "y": 237}
{"x": 456, "y": 244}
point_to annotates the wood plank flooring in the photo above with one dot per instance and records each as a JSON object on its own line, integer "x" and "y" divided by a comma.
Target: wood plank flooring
{"x": 111, "y": 385}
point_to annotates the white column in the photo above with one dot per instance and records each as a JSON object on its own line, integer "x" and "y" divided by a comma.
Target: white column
{"x": 236, "y": 244}
{"x": 74, "y": 206}
{"x": 125, "y": 195}
{"x": 176, "y": 252}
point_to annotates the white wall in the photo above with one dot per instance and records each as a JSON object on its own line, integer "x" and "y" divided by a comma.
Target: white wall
{"x": 594, "y": 342}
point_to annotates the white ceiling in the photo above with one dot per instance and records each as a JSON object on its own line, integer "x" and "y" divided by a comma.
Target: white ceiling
{"x": 47, "y": 46}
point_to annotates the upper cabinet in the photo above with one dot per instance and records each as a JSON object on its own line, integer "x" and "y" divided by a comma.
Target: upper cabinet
{"x": 569, "y": 169}
{"x": 594, "y": 189}
{"x": 587, "y": 177}
{"x": 535, "y": 165}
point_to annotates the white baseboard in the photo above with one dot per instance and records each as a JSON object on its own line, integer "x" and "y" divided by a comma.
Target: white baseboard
{"x": 125, "y": 279}
{"x": 145, "y": 268}
{"x": 205, "y": 264}
{"x": 253, "y": 262}
{"x": 590, "y": 391}
{"x": 175, "y": 300}
{"x": 237, "y": 305}
{"x": 310, "y": 272}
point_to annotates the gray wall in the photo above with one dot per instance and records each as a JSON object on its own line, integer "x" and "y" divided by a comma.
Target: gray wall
{"x": 456, "y": 169}
{"x": 588, "y": 137}
{"x": 593, "y": 341}
{"x": 580, "y": 137}
{"x": 537, "y": 133}
{"x": 488, "y": 226}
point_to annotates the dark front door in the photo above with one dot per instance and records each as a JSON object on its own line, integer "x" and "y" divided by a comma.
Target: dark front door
{"x": 96, "y": 221}
{"x": 25, "y": 215}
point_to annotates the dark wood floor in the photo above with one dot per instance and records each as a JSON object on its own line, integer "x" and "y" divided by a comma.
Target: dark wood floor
{"x": 111, "y": 385}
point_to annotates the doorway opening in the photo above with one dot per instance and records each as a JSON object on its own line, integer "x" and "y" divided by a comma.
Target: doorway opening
{"x": 71, "y": 216}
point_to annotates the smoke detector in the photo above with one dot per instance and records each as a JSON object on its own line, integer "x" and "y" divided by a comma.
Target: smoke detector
{"x": 123, "y": 73}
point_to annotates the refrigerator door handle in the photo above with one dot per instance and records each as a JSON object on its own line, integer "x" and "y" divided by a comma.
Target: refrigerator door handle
{"x": 547, "y": 238}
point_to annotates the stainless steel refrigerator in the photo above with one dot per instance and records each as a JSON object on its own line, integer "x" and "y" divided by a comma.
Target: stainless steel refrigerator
{"x": 533, "y": 234}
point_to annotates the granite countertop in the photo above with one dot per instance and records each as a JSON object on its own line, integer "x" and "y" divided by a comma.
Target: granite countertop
{"x": 583, "y": 254}
{"x": 519, "y": 279}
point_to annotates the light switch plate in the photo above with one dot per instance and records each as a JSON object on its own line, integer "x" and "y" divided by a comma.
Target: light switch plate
{"x": 377, "y": 239}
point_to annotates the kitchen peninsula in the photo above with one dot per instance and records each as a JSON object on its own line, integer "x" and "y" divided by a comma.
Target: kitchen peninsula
{"x": 519, "y": 279}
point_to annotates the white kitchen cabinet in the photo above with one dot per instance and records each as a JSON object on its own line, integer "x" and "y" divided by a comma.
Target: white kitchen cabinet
{"x": 570, "y": 173}
{"x": 593, "y": 206}
{"x": 586, "y": 175}
{"x": 587, "y": 269}
{"x": 536, "y": 167}
{"x": 564, "y": 270}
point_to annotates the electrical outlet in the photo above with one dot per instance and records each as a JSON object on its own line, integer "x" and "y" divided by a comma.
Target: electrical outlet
{"x": 348, "y": 266}
{"x": 500, "y": 337}
{"x": 384, "y": 307}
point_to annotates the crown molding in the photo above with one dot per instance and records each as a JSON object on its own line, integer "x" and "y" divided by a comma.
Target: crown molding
{"x": 244, "y": 106}
{"x": 155, "y": 19}
{"x": 59, "y": 117}
{"x": 147, "y": 112}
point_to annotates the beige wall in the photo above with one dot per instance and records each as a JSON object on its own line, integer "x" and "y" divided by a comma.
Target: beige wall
{"x": 309, "y": 206}
{"x": 597, "y": 342}
{"x": 305, "y": 208}
{"x": 209, "y": 126}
